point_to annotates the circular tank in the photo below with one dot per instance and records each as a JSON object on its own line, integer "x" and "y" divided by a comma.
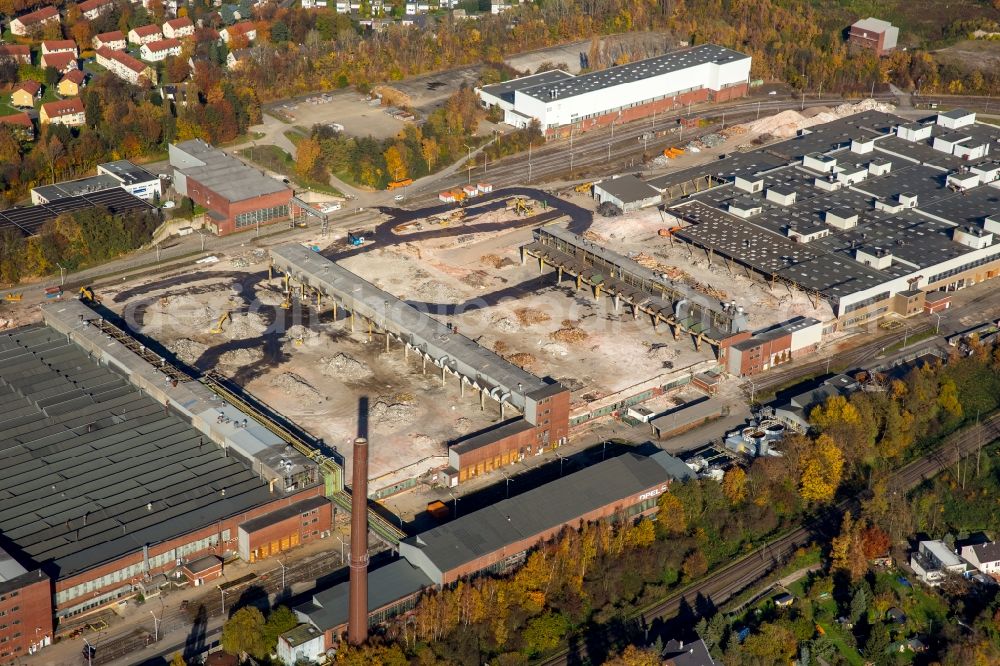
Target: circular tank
{"x": 774, "y": 430}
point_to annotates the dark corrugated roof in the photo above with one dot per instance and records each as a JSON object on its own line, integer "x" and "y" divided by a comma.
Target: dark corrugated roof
{"x": 387, "y": 584}
{"x": 94, "y": 469}
{"x": 527, "y": 515}
{"x": 284, "y": 513}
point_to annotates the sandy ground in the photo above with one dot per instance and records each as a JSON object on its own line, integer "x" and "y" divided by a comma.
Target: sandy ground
{"x": 348, "y": 108}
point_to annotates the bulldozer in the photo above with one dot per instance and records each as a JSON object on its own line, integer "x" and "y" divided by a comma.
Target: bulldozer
{"x": 222, "y": 320}
{"x": 88, "y": 296}
{"x": 13, "y": 298}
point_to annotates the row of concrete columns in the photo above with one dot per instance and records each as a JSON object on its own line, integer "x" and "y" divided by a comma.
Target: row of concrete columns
{"x": 462, "y": 380}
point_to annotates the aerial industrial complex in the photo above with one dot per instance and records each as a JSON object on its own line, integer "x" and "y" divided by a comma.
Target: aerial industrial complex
{"x": 870, "y": 213}
{"x": 120, "y": 471}
{"x": 619, "y": 94}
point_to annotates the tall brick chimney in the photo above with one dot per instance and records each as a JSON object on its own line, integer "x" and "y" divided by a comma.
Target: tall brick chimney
{"x": 357, "y": 605}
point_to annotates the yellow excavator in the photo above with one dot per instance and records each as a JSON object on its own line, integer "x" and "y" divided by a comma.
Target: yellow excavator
{"x": 87, "y": 295}
{"x": 287, "y": 303}
{"x": 13, "y": 298}
{"x": 222, "y": 320}
{"x": 584, "y": 188}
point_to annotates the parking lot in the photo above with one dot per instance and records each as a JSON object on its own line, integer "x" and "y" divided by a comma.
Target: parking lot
{"x": 355, "y": 113}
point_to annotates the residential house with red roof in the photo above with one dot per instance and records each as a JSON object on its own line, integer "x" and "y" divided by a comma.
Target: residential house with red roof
{"x": 63, "y": 112}
{"x": 22, "y": 26}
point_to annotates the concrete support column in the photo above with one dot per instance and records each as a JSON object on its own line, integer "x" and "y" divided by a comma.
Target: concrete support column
{"x": 522, "y": 255}
{"x": 617, "y": 300}
{"x": 656, "y": 319}
{"x": 335, "y": 314}
{"x": 387, "y": 342}
{"x": 423, "y": 364}
{"x": 541, "y": 264}
{"x": 501, "y": 410}
{"x": 442, "y": 374}
{"x": 461, "y": 387}
{"x": 369, "y": 330}
{"x": 635, "y": 311}
{"x": 482, "y": 400}
{"x": 674, "y": 330}
{"x": 597, "y": 292}
{"x": 697, "y": 342}
{"x": 352, "y": 321}
{"x": 578, "y": 281}
{"x": 406, "y": 352}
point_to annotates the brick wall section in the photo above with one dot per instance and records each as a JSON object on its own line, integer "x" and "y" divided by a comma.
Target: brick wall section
{"x": 551, "y": 430}
{"x": 273, "y": 539}
{"x": 213, "y": 201}
{"x": 25, "y": 615}
{"x": 230, "y": 524}
{"x": 660, "y": 106}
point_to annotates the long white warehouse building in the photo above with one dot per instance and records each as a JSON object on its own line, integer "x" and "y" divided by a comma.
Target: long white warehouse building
{"x": 626, "y": 92}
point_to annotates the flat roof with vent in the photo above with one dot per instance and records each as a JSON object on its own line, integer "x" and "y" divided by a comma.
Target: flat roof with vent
{"x": 634, "y": 71}
{"x": 94, "y": 469}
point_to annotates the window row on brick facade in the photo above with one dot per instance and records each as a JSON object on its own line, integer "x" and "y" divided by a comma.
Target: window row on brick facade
{"x": 261, "y": 215}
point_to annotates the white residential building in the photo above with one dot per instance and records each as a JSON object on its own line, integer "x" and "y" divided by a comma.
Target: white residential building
{"x": 159, "y": 50}
{"x": 933, "y": 561}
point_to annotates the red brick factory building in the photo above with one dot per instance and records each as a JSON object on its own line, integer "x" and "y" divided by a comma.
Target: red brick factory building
{"x": 490, "y": 541}
{"x": 236, "y": 196}
{"x": 121, "y": 474}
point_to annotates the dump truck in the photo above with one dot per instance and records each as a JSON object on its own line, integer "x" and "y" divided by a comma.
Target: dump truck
{"x": 399, "y": 183}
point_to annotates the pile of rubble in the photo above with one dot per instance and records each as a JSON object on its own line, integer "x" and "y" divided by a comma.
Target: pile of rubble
{"x": 255, "y": 256}
{"x": 345, "y": 368}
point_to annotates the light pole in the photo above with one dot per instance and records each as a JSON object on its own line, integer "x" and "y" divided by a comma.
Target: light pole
{"x": 906, "y": 334}
{"x": 454, "y": 497}
{"x": 341, "y": 548}
{"x": 508, "y": 483}
{"x": 90, "y": 652}
{"x": 469, "y": 161}
{"x": 282, "y": 565}
{"x": 62, "y": 271}
{"x": 529, "y": 161}
{"x": 937, "y": 329}
{"x": 753, "y": 389}
{"x": 561, "y": 459}
{"x": 223, "y": 599}
{"x": 156, "y": 627}
{"x": 604, "y": 448}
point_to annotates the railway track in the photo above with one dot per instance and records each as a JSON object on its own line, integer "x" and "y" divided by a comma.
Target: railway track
{"x": 733, "y": 578}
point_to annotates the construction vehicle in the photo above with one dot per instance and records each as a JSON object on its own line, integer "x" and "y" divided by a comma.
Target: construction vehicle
{"x": 522, "y": 207}
{"x": 584, "y": 188}
{"x": 355, "y": 238}
{"x": 438, "y": 510}
{"x": 88, "y": 296}
{"x": 673, "y": 152}
{"x": 456, "y": 215}
{"x": 399, "y": 183}
{"x": 13, "y": 298}
{"x": 53, "y": 292}
{"x": 222, "y": 320}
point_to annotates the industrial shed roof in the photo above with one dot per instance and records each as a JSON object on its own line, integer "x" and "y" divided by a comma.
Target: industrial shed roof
{"x": 628, "y": 189}
{"x": 634, "y": 71}
{"x": 560, "y": 502}
{"x": 30, "y": 219}
{"x": 505, "y": 90}
{"x": 93, "y": 468}
{"x": 225, "y": 175}
{"x": 387, "y": 584}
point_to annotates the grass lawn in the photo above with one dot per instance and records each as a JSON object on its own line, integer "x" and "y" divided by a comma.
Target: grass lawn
{"x": 275, "y": 159}
{"x": 910, "y": 341}
{"x": 5, "y": 108}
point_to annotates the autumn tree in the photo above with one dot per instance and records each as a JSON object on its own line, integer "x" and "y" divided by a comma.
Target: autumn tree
{"x": 635, "y": 656}
{"x": 178, "y": 660}
{"x": 395, "y": 161}
{"x": 243, "y": 633}
{"x": 846, "y": 551}
{"x": 695, "y": 564}
{"x": 670, "y": 518}
{"x": 307, "y": 157}
{"x": 734, "y": 485}
{"x": 874, "y": 542}
{"x": 821, "y": 470}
